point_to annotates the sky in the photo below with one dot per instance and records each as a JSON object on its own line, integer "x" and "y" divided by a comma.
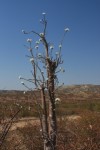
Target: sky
{"x": 81, "y": 46}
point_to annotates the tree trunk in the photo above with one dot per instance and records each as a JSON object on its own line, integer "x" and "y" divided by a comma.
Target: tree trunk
{"x": 49, "y": 146}
{"x": 44, "y": 114}
{"x": 52, "y": 112}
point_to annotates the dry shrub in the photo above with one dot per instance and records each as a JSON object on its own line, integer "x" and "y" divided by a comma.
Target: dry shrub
{"x": 77, "y": 134}
{"x": 88, "y": 131}
{"x": 13, "y": 141}
{"x": 82, "y": 134}
{"x": 32, "y": 137}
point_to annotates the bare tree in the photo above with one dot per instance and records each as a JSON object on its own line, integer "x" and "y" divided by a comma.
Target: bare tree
{"x": 44, "y": 77}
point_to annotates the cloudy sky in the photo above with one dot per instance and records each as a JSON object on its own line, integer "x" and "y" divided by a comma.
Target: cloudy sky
{"x": 81, "y": 46}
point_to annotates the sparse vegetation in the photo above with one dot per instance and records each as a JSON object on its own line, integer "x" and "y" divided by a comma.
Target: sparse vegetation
{"x": 74, "y": 134}
{"x": 71, "y": 104}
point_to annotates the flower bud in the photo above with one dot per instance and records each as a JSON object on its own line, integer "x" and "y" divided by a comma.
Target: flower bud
{"x": 31, "y": 59}
{"x": 22, "y": 83}
{"x": 36, "y": 47}
{"x": 51, "y": 47}
{"x": 42, "y": 34}
{"x": 37, "y": 42}
{"x": 29, "y": 40}
{"x": 66, "y": 29}
{"x": 60, "y": 46}
{"x": 43, "y": 13}
{"x": 20, "y": 77}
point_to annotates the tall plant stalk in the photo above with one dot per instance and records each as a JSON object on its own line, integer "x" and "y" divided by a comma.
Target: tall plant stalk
{"x": 46, "y": 82}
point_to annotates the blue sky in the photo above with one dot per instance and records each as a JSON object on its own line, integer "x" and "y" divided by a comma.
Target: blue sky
{"x": 81, "y": 47}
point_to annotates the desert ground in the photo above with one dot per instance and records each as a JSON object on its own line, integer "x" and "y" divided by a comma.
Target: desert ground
{"x": 78, "y": 117}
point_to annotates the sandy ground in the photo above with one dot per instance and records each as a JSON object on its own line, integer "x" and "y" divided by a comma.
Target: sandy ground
{"x": 23, "y": 122}
{"x": 33, "y": 121}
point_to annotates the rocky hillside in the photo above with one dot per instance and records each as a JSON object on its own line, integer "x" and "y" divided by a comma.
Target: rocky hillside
{"x": 70, "y": 92}
{"x": 85, "y": 91}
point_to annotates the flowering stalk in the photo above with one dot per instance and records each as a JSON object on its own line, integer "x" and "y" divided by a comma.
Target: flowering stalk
{"x": 46, "y": 80}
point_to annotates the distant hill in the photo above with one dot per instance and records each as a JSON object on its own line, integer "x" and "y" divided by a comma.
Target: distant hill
{"x": 74, "y": 92}
{"x": 85, "y": 91}
{"x": 81, "y": 88}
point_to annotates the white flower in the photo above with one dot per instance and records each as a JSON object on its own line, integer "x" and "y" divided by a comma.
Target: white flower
{"x": 40, "y": 40}
{"x": 29, "y": 40}
{"x": 57, "y": 53}
{"x": 42, "y": 72}
{"x": 46, "y": 79}
{"x": 40, "y": 20}
{"x": 90, "y": 126}
{"x": 31, "y": 59}
{"x": 42, "y": 34}
{"x": 51, "y": 47}
{"x": 57, "y": 99}
{"x": 23, "y": 31}
{"x": 39, "y": 54}
{"x": 37, "y": 42}
{"x": 60, "y": 68}
{"x": 22, "y": 83}
{"x": 66, "y": 29}
{"x": 20, "y": 77}
{"x": 60, "y": 46}
{"x": 21, "y": 107}
{"x": 36, "y": 47}
{"x": 40, "y": 130}
{"x": 43, "y": 13}
{"x": 24, "y": 92}
{"x": 63, "y": 70}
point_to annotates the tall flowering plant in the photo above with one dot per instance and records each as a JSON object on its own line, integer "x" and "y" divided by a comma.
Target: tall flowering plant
{"x": 44, "y": 77}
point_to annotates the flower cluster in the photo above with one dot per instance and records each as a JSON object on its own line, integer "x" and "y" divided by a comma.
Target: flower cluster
{"x": 66, "y": 29}
{"x": 43, "y": 13}
{"x": 23, "y": 31}
{"x": 51, "y": 47}
{"x": 29, "y": 40}
{"x": 37, "y": 42}
{"x": 57, "y": 100}
{"x": 20, "y": 77}
{"x": 22, "y": 82}
{"x": 39, "y": 55}
{"x": 42, "y": 34}
{"x": 31, "y": 59}
{"x": 36, "y": 47}
{"x": 60, "y": 46}
{"x": 40, "y": 40}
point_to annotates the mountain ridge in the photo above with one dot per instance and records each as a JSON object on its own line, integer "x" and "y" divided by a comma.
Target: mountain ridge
{"x": 83, "y": 90}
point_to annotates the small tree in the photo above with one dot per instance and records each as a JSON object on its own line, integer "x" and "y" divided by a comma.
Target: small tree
{"x": 44, "y": 77}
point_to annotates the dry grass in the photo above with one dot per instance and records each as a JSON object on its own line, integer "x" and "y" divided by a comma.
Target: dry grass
{"x": 78, "y": 123}
{"x": 82, "y": 133}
